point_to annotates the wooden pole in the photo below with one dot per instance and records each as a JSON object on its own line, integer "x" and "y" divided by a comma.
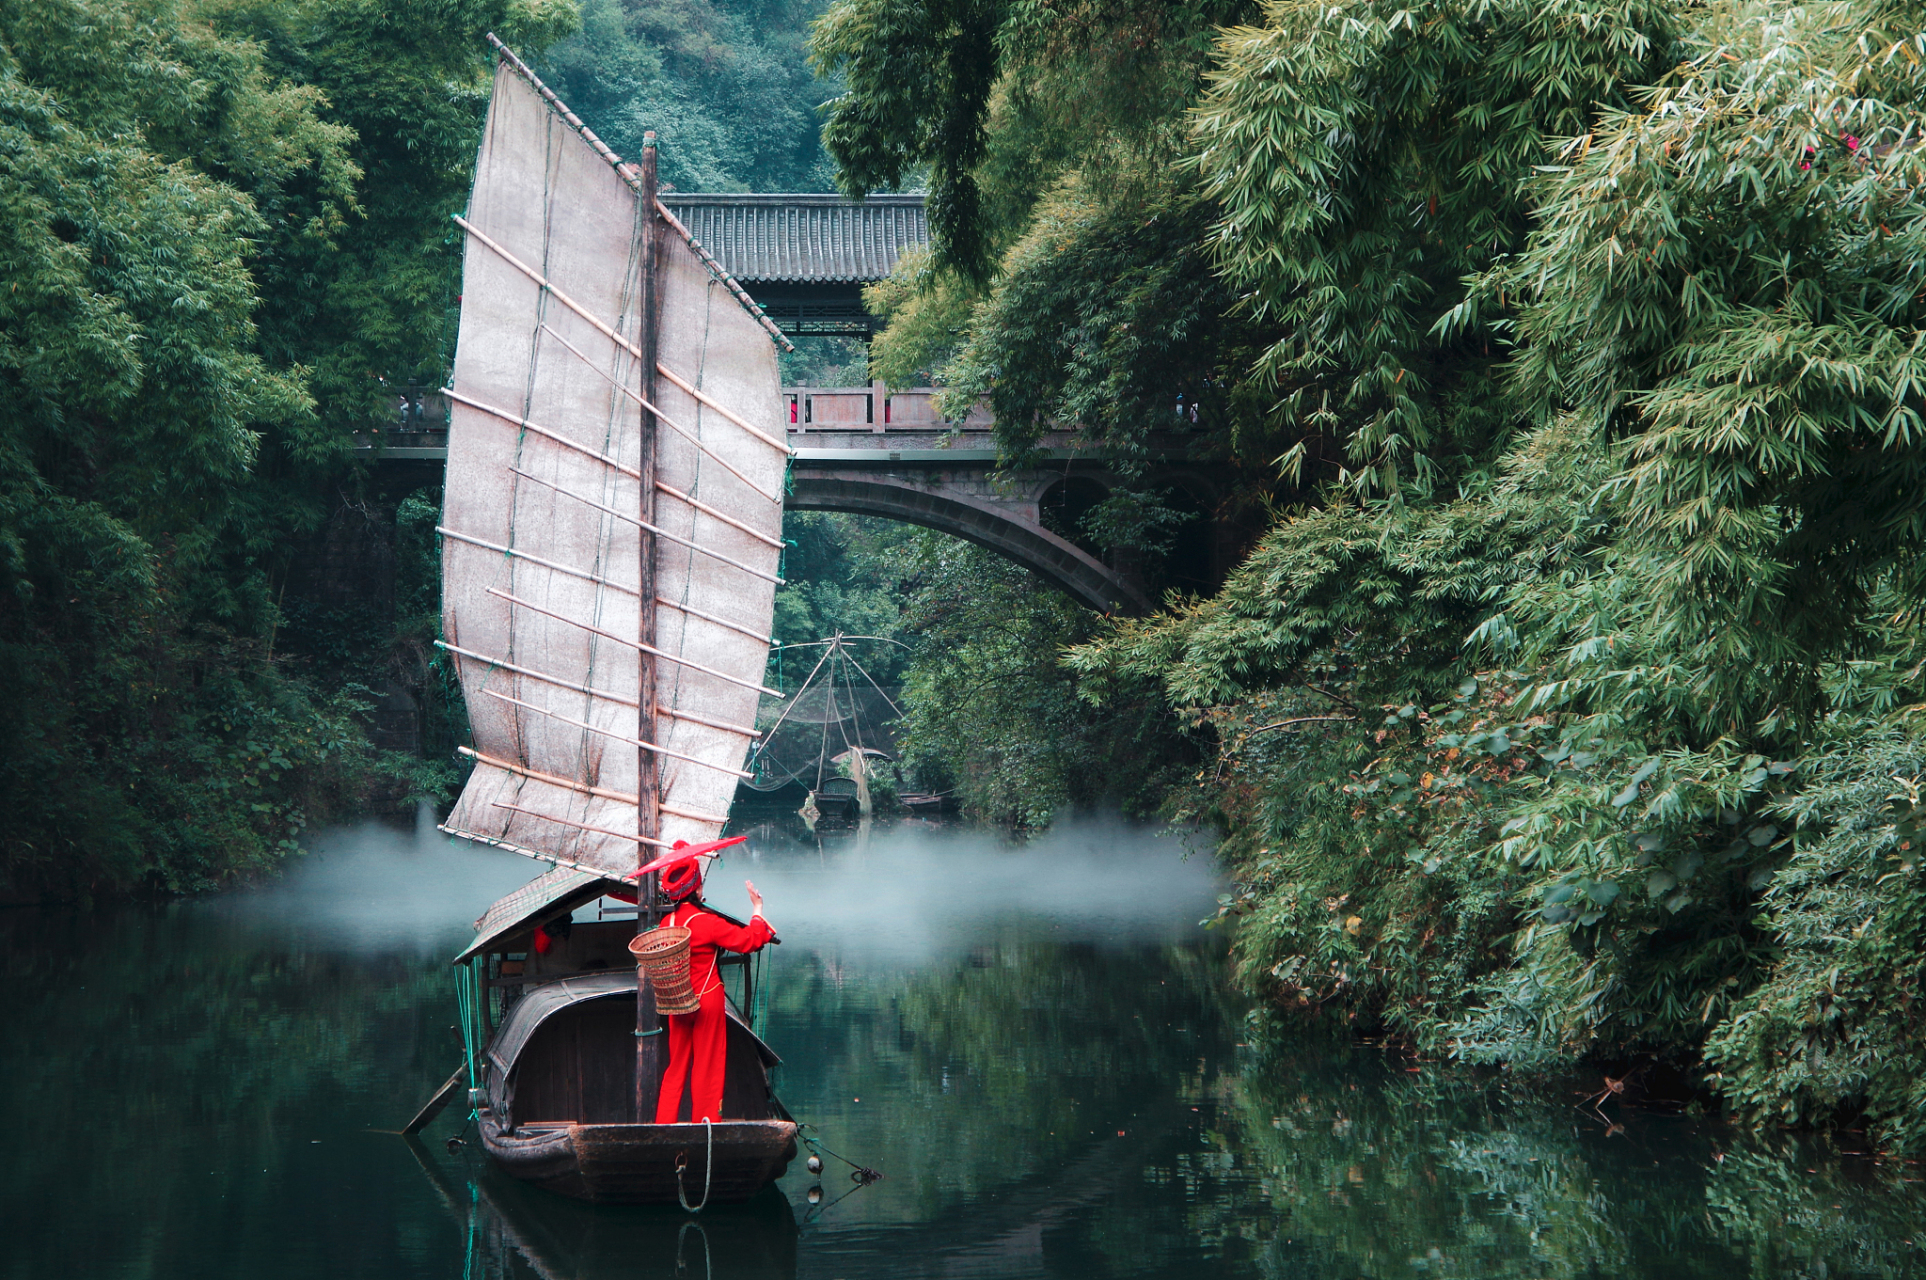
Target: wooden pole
{"x": 650, "y": 1051}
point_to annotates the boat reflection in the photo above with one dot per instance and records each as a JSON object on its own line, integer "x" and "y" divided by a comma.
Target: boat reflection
{"x": 519, "y": 1232}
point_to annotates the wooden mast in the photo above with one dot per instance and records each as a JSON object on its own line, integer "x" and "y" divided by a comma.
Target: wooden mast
{"x": 649, "y": 1047}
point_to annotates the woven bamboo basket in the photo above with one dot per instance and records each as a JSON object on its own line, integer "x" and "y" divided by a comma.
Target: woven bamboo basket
{"x": 663, "y": 954}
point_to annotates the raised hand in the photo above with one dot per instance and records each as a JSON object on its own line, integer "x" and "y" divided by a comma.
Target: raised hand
{"x": 755, "y": 899}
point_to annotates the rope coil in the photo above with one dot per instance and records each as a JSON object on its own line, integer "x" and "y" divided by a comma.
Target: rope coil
{"x": 708, "y": 1168}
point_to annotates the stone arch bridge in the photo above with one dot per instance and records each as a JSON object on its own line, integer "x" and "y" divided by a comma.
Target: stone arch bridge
{"x": 911, "y": 467}
{"x": 865, "y": 449}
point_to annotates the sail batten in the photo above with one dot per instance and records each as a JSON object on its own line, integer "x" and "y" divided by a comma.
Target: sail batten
{"x": 669, "y": 422}
{"x": 543, "y": 676}
{"x": 651, "y": 650}
{"x": 607, "y": 733}
{"x": 655, "y": 529}
{"x": 509, "y": 766}
{"x": 575, "y": 606}
{"x": 544, "y": 432}
{"x": 581, "y": 826}
{"x": 778, "y": 445}
{"x": 570, "y": 570}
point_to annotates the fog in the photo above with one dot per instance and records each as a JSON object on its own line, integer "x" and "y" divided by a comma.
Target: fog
{"x": 914, "y": 889}
{"x": 382, "y": 886}
{"x": 904, "y": 891}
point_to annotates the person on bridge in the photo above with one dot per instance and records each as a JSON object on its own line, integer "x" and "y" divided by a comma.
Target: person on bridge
{"x": 697, "y": 1041}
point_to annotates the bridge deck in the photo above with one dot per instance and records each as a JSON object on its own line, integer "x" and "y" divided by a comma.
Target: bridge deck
{"x": 886, "y": 453}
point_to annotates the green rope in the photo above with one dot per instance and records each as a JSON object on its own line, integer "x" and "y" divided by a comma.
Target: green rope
{"x": 467, "y": 995}
{"x": 782, "y": 571}
{"x": 759, "y": 1005}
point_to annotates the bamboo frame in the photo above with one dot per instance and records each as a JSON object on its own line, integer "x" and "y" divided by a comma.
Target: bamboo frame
{"x": 663, "y": 418}
{"x": 505, "y": 665}
{"x": 587, "y": 501}
{"x": 634, "y": 644}
{"x": 693, "y": 718}
{"x": 695, "y": 815}
{"x": 572, "y": 572}
{"x": 543, "y": 432}
{"x": 694, "y": 612}
{"x": 610, "y": 733}
{"x": 553, "y": 779}
{"x": 781, "y": 446}
{"x": 582, "y": 826}
{"x": 662, "y": 486}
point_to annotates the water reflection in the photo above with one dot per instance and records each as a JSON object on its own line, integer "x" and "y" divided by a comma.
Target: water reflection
{"x": 512, "y": 1231}
{"x": 1035, "y": 1047}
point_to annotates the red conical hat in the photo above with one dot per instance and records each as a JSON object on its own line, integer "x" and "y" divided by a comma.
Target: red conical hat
{"x": 683, "y": 851}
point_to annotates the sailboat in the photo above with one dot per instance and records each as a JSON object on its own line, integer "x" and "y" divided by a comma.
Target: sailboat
{"x": 610, "y": 541}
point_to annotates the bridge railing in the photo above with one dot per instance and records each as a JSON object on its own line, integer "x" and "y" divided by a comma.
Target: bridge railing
{"x": 874, "y": 408}
{"x": 421, "y": 415}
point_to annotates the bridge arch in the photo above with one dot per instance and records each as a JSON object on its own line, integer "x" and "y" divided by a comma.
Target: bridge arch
{"x": 1029, "y": 544}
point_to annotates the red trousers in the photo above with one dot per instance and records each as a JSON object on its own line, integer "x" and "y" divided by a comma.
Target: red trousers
{"x": 697, "y": 1059}
{"x": 698, "y": 1041}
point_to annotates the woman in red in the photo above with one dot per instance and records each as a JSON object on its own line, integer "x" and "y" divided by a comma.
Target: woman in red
{"x": 696, "y": 1040}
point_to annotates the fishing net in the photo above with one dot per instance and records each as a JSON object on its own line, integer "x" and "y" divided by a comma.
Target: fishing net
{"x": 824, "y": 722}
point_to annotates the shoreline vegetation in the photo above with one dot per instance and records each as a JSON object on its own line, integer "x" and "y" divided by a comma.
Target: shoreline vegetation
{"x": 1564, "y": 716}
{"x": 1559, "y": 366}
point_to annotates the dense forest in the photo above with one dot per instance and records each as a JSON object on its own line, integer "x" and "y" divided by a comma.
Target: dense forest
{"x": 224, "y": 231}
{"x": 1568, "y": 710}
{"x": 1562, "y": 358}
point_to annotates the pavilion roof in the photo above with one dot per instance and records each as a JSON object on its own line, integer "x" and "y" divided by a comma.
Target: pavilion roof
{"x": 803, "y": 238}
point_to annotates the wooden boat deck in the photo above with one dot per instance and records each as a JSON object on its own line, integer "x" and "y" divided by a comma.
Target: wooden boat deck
{"x": 637, "y": 1163}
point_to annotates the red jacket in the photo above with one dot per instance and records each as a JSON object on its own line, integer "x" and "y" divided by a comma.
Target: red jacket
{"x": 708, "y": 933}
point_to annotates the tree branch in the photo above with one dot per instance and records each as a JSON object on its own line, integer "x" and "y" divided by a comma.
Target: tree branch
{"x": 1285, "y": 724}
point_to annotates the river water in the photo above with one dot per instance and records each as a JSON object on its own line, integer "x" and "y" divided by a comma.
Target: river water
{"x": 1036, "y": 1048}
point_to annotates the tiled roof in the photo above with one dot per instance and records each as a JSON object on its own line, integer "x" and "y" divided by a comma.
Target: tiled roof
{"x": 802, "y": 238}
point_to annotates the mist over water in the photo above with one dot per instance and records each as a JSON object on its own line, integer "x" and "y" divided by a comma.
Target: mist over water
{"x": 907, "y": 892}
{"x": 378, "y": 886}
{"x": 913, "y": 891}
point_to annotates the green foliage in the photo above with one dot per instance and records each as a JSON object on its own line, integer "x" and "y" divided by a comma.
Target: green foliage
{"x": 1109, "y": 316}
{"x": 1583, "y": 747}
{"x": 921, "y": 75}
{"x": 723, "y": 84}
{"x": 992, "y": 712}
{"x": 993, "y": 97}
{"x": 1070, "y": 282}
{"x": 843, "y": 576}
{"x": 1835, "y": 1024}
{"x": 217, "y": 223}
{"x": 372, "y": 303}
{"x": 1367, "y": 157}
{"x": 1727, "y": 282}
{"x": 924, "y": 313}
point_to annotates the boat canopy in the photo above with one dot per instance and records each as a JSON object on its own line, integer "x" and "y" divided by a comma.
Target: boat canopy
{"x": 544, "y": 898}
{"x": 543, "y": 1002}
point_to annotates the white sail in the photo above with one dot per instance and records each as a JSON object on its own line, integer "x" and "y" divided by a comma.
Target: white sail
{"x": 556, "y": 561}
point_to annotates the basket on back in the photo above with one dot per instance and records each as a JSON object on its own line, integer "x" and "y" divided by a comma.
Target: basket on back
{"x": 663, "y": 954}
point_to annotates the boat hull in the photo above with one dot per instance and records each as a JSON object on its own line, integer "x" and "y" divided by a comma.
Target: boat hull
{"x": 637, "y": 1163}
